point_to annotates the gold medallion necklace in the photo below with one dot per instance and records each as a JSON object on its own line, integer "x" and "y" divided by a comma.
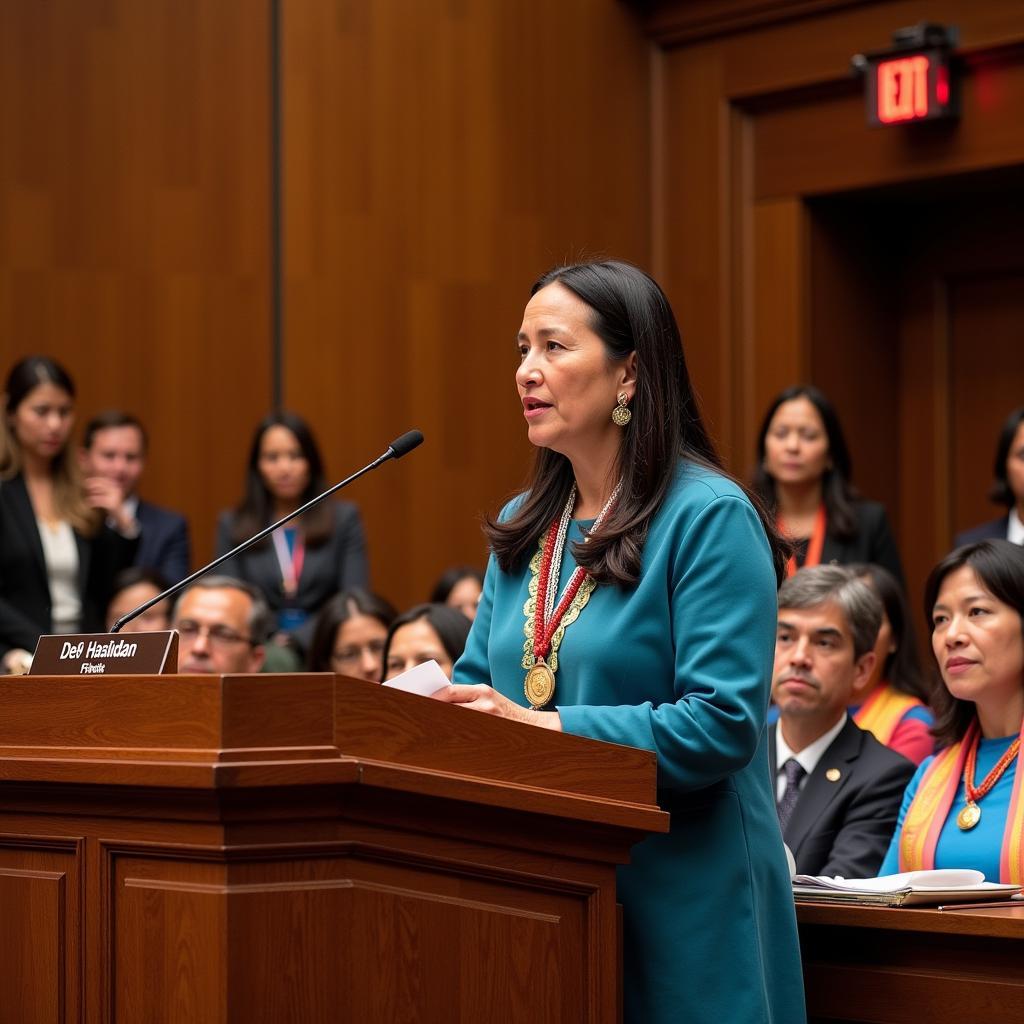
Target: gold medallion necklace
{"x": 546, "y": 622}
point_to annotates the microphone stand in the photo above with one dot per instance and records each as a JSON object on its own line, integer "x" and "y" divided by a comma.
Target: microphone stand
{"x": 401, "y": 446}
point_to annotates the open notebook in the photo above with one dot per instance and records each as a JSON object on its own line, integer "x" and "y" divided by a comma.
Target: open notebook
{"x": 907, "y": 889}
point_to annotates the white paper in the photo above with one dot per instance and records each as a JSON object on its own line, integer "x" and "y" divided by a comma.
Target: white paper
{"x": 948, "y": 878}
{"x": 424, "y": 679}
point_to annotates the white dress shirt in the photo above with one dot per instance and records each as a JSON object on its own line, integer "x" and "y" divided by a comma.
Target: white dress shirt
{"x": 808, "y": 757}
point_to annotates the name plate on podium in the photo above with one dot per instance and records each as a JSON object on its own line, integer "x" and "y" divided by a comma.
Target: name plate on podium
{"x": 122, "y": 654}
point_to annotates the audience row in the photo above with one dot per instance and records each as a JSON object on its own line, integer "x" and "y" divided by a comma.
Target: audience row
{"x": 71, "y": 521}
{"x": 848, "y": 804}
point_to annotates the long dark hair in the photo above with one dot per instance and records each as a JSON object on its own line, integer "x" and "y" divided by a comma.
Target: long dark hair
{"x": 256, "y": 508}
{"x": 837, "y": 491}
{"x": 335, "y": 613}
{"x": 1000, "y": 567}
{"x": 25, "y": 376}
{"x": 629, "y": 312}
{"x": 1000, "y": 492}
{"x": 902, "y": 669}
{"x": 450, "y": 625}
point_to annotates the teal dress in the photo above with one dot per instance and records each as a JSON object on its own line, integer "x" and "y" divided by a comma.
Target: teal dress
{"x": 981, "y": 847}
{"x": 680, "y": 665}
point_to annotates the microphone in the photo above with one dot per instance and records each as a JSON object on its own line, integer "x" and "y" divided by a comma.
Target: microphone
{"x": 400, "y": 446}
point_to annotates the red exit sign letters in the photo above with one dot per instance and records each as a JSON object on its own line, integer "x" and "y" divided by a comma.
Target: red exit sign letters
{"x": 908, "y": 87}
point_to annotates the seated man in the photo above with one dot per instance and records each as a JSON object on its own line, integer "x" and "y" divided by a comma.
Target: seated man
{"x": 114, "y": 446}
{"x": 222, "y": 625}
{"x": 838, "y": 788}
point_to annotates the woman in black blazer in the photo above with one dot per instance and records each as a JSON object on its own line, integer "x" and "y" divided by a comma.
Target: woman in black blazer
{"x": 803, "y": 473}
{"x": 1007, "y": 488}
{"x": 58, "y": 556}
{"x": 300, "y": 566}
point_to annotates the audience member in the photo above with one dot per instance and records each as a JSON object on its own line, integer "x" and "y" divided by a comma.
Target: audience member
{"x": 133, "y": 587}
{"x": 964, "y": 808}
{"x": 804, "y": 475}
{"x": 350, "y": 634}
{"x": 301, "y": 565}
{"x": 1007, "y": 489}
{"x": 893, "y": 706}
{"x": 58, "y": 555}
{"x": 427, "y": 632}
{"x": 838, "y": 788}
{"x": 222, "y": 625}
{"x": 115, "y": 446}
{"x": 460, "y": 588}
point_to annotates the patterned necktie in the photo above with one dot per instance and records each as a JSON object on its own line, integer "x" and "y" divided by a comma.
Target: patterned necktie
{"x": 794, "y": 773}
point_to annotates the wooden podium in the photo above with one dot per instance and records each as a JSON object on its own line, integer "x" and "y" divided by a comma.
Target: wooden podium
{"x": 304, "y": 849}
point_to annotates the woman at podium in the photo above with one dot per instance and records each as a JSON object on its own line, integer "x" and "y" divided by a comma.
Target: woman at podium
{"x": 630, "y": 597}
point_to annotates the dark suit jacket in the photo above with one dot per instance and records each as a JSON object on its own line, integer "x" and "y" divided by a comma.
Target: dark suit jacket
{"x": 844, "y": 827}
{"x": 24, "y": 586}
{"x": 163, "y": 543}
{"x": 873, "y": 542}
{"x": 993, "y": 530}
{"x": 338, "y": 563}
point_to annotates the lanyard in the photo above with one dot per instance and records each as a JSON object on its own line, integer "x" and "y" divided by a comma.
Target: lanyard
{"x": 290, "y": 558}
{"x": 814, "y": 546}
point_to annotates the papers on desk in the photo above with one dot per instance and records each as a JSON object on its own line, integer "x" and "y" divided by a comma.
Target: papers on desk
{"x": 907, "y": 889}
{"x": 424, "y": 679}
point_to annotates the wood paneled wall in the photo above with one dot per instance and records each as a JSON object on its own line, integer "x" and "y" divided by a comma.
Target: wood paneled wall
{"x": 134, "y": 211}
{"x": 436, "y": 157}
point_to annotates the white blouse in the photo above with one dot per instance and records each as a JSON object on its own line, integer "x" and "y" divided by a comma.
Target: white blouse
{"x": 1014, "y": 528}
{"x": 61, "y": 555}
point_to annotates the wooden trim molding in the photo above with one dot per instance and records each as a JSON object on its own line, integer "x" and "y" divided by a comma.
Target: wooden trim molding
{"x": 672, "y": 22}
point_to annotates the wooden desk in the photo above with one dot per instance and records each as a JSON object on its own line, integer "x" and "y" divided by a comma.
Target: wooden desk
{"x": 893, "y": 966}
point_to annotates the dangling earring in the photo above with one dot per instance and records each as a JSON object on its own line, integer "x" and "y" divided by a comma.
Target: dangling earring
{"x": 621, "y": 414}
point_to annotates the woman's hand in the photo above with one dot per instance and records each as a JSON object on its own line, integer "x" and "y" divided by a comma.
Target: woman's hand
{"x": 486, "y": 699}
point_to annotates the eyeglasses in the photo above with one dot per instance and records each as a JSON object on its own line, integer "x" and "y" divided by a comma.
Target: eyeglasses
{"x": 219, "y": 636}
{"x": 348, "y": 655}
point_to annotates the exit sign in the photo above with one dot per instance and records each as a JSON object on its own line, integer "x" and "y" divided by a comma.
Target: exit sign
{"x": 911, "y": 87}
{"x": 913, "y": 81}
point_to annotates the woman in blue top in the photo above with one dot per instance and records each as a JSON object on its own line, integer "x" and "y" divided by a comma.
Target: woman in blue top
{"x": 965, "y": 807}
{"x": 633, "y": 586}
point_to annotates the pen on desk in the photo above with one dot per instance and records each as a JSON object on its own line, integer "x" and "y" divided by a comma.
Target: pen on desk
{"x": 1012, "y": 901}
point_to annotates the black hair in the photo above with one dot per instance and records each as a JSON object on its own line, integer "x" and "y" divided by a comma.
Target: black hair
{"x": 255, "y": 511}
{"x": 902, "y": 668}
{"x": 450, "y": 625}
{"x": 28, "y": 373}
{"x": 334, "y": 614}
{"x": 630, "y": 313}
{"x": 999, "y": 565}
{"x": 110, "y": 419}
{"x": 446, "y": 583}
{"x": 136, "y": 574}
{"x": 1000, "y": 492}
{"x": 837, "y": 491}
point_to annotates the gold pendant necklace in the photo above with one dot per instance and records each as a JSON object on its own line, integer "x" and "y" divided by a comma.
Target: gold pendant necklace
{"x": 546, "y": 623}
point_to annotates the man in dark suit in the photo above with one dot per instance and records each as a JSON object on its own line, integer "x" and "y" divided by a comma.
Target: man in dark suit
{"x": 115, "y": 446}
{"x": 838, "y": 789}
